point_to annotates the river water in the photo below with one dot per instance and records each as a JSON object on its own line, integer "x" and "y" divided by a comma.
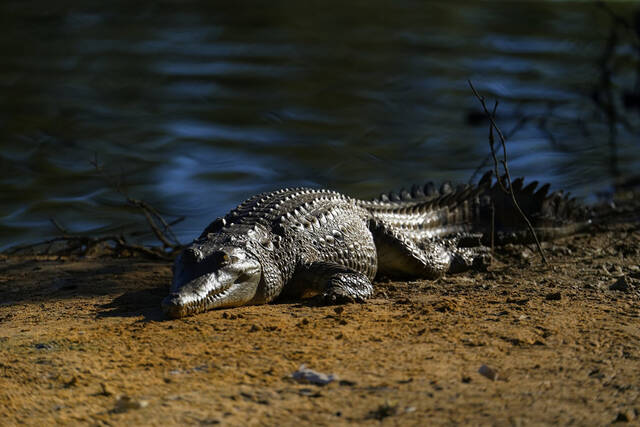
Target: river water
{"x": 193, "y": 106}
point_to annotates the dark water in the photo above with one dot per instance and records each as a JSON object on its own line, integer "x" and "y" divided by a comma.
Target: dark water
{"x": 195, "y": 106}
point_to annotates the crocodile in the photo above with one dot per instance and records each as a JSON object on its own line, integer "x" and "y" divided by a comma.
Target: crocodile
{"x": 306, "y": 242}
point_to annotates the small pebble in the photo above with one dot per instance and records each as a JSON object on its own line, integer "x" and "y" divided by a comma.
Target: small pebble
{"x": 625, "y": 416}
{"x": 553, "y": 296}
{"x": 306, "y": 375}
{"x": 387, "y": 409}
{"x": 125, "y": 403}
{"x": 487, "y": 372}
{"x": 622, "y": 284}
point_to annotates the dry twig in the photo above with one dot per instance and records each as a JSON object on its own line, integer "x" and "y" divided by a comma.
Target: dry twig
{"x": 508, "y": 188}
{"x": 80, "y": 244}
{"x": 162, "y": 231}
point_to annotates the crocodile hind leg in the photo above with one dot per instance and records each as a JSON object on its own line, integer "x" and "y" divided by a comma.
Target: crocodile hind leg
{"x": 333, "y": 283}
{"x": 464, "y": 259}
{"x": 400, "y": 256}
{"x": 466, "y": 251}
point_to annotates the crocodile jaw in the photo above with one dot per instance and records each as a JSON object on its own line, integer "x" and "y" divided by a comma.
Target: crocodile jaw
{"x": 230, "y": 286}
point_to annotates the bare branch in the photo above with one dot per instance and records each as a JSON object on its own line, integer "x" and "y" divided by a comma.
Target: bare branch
{"x": 504, "y": 163}
{"x": 163, "y": 232}
{"x": 82, "y": 245}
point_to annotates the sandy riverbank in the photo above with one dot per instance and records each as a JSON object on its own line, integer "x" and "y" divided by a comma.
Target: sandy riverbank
{"x": 83, "y": 341}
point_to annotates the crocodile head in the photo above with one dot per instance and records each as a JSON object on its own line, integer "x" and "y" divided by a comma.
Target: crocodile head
{"x": 212, "y": 276}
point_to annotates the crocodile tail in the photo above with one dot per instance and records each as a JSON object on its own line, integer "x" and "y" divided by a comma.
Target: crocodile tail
{"x": 551, "y": 214}
{"x": 621, "y": 205}
{"x": 482, "y": 208}
{"x": 617, "y": 212}
{"x": 425, "y": 192}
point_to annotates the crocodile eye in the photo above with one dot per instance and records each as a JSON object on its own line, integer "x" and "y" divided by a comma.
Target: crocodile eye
{"x": 192, "y": 255}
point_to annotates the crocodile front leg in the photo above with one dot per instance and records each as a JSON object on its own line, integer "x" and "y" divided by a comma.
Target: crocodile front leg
{"x": 333, "y": 283}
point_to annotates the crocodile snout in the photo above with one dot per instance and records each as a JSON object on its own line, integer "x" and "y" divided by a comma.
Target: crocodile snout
{"x": 173, "y": 307}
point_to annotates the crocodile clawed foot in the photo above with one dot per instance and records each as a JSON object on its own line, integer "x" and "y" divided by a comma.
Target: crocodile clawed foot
{"x": 482, "y": 261}
{"x": 346, "y": 288}
{"x": 336, "y": 296}
{"x": 464, "y": 259}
